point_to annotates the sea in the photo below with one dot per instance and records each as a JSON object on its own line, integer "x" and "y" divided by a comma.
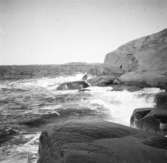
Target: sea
{"x": 28, "y": 106}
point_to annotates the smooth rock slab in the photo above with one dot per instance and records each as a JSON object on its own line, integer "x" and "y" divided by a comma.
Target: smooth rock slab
{"x": 86, "y": 141}
{"x": 73, "y": 85}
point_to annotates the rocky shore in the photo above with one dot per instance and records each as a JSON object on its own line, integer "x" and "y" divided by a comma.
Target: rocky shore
{"x": 89, "y": 141}
{"x": 138, "y": 64}
{"x": 142, "y": 60}
{"x": 74, "y": 118}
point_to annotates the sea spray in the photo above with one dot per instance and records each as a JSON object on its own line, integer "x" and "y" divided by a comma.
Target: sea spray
{"x": 120, "y": 104}
{"x": 39, "y": 96}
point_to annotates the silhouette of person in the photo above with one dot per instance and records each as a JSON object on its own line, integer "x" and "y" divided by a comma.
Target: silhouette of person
{"x": 85, "y": 77}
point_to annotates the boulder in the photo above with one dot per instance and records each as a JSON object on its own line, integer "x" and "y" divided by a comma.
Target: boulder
{"x": 160, "y": 114}
{"x": 104, "y": 80}
{"x": 154, "y": 119}
{"x": 150, "y": 120}
{"x": 87, "y": 141}
{"x": 149, "y": 124}
{"x": 73, "y": 85}
{"x": 140, "y": 119}
{"x": 138, "y": 114}
{"x": 142, "y": 60}
{"x": 161, "y": 100}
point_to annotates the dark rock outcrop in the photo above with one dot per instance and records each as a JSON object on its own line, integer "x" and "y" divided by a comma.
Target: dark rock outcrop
{"x": 101, "y": 142}
{"x": 142, "y": 60}
{"x": 104, "y": 81}
{"x": 6, "y": 133}
{"x": 141, "y": 120}
{"x": 73, "y": 85}
{"x": 154, "y": 119}
{"x": 121, "y": 87}
{"x": 139, "y": 114}
{"x": 161, "y": 100}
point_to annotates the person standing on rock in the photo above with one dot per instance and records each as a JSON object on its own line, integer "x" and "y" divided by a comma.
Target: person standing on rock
{"x": 85, "y": 77}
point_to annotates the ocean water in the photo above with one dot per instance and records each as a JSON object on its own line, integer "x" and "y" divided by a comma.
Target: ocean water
{"x": 23, "y": 101}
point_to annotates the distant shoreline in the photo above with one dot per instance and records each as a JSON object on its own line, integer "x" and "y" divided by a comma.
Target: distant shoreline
{"x": 68, "y": 63}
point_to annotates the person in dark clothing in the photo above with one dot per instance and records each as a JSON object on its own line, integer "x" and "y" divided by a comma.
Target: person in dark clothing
{"x": 85, "y": 77}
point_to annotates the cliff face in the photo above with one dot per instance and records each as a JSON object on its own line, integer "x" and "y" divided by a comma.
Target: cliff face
{"x": 141, "y": 59}
{"x": 146, "y": 53}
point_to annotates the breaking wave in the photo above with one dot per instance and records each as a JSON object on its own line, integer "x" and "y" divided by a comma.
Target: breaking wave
{"x": 39, "y": 96}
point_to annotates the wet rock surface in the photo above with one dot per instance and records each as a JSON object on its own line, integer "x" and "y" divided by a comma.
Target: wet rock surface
{"x": 104, "y": 81}
{"x": 6, "y": 134}
{"x": 98, "y": 141}
{"x": 121, "y": 87}
{"x": 73, "y": 85}
{"x": 139, "y": 114}
{"x": 154, "y": 119}
{"x": 161, "y": 100}
{"x": 28, "y": 107}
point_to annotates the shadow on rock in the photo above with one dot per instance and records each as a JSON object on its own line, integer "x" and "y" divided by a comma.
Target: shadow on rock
{"x": 89, "y": 141}
{"x": 152, "y": 119}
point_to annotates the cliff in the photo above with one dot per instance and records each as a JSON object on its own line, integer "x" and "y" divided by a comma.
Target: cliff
{"x": 143, "y": 59}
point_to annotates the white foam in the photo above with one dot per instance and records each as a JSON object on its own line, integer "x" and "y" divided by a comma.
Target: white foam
{"x": 3, "y": 85}
{"x": 150, "y": 90}
{"x": 18, "y": 153}
{"x": 31, "y": 146}
{"x": 120, "y": 104}
{"x": 48, "y": 83}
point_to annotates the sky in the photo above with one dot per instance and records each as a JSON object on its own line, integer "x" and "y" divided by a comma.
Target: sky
{"x": 61, "y": 31}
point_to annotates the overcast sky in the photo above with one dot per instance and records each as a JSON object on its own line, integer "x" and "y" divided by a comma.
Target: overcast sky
{"x": 59, "y": 31}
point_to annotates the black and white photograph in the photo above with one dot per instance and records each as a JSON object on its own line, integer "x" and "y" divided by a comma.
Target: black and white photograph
{"x": 83, "y": 81}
